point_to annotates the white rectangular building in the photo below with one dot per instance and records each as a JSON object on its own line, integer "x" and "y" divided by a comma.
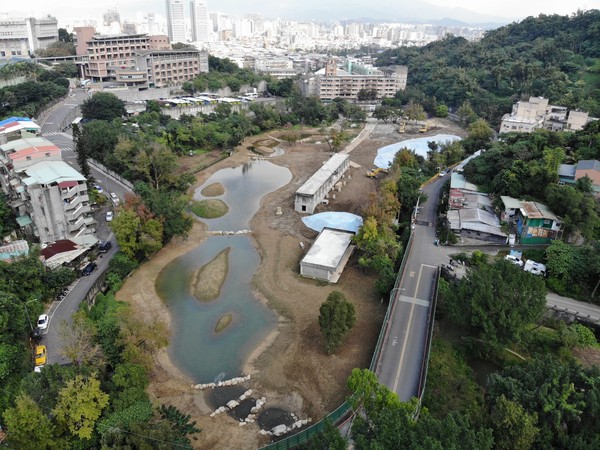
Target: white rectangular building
{"x": 313, "y": 192}
{"x": 328, "y": 256}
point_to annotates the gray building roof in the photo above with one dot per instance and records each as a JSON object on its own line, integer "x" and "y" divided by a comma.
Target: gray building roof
{"x": 47, "y": 172}
{"x": 566, "y": 170}
{"x": 329, "y": 248}
{"x": 458, "y": 181}
{"x": 588, "y": 164}
{"x": 313, "y": 184}
{"x": 510, "y": 203}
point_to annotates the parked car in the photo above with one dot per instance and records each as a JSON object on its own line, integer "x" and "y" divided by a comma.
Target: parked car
{"x": 104, "y": 246}
{"x": 114, "y": 198}
{"x": 40, "y": 355}
{"x": 98, "y": 188}
{"x": 87, "y": 270}
{"x": 42, "y": 322}
{"x": 513, "y": 259}
{"x": 109, "y": 216}
{"x": 36, "y": 335}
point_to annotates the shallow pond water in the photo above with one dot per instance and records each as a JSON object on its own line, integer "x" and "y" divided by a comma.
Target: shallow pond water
{"x": 195, "y": 347}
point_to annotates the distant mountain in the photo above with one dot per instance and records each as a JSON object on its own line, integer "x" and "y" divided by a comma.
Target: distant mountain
{"x": 413, "y": 11}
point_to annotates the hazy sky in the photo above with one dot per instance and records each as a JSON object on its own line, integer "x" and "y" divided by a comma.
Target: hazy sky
{"x": 65, "y": 9}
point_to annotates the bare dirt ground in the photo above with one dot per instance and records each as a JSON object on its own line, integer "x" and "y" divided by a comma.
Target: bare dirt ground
{"x": 290, "y": 368}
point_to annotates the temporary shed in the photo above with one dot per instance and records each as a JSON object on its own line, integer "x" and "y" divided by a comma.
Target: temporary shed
{"x": 328, "y": 256}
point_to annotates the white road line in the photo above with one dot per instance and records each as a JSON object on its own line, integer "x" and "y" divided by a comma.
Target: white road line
{"x": 407, "y": 333}
{"x": 418, "y": 301}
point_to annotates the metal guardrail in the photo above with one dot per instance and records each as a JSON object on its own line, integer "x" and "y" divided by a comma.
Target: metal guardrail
{"x": 583, "y": 317}
{"x": 299, "y": 438}
{"x": 425, "y": 363}
{"x": 393, "y": 296}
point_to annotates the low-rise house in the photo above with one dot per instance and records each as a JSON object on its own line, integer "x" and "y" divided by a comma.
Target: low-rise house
{"x": 13, "y": 249}
{"x": 535, "y": 223}
{"x": 313, "y": 192}
{"x": 570, "y": 173}
{"x": 328, "y": 255}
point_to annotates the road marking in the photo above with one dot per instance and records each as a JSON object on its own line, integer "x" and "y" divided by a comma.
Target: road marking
{"x": 411, "y": 274}
{"x": 407, "y": 333}
{"x": 418, "y": 301}
{"x": 427, "y": 265}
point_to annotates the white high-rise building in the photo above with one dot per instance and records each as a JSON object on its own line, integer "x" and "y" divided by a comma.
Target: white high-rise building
{"x": 176, "y": 20}
{"x": 199, "y": 14}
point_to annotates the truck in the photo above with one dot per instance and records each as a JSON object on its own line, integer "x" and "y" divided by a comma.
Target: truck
{"x": 535, "y": 268}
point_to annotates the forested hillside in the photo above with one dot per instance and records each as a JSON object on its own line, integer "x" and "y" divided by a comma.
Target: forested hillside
{"x": 556, "y": 57}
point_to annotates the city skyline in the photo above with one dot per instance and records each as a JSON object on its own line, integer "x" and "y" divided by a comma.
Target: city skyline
{"x": 465, "y": 10}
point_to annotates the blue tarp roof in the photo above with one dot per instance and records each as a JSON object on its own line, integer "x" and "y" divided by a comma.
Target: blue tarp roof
{"x": 385, "y": 155}
{"x": 14, "y": 119}
{"x": 339, "y": 220}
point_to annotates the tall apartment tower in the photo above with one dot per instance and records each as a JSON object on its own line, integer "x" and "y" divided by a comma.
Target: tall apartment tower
{"x": 176, "y": 20}
{"x": 199, "y": 14}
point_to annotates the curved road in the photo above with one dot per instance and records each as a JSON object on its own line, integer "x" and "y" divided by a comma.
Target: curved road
{"x": 63, "y": 311}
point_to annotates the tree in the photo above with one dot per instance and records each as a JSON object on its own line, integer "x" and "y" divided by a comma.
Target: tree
{"x": 386, "y": 423}
{"x": 27, "y": 426}
{"x": 336, "y": 319}
{"x": 441, "y": 111}
{"x": 79, "y": 338}
{"x": 556, "y": 393}
{"x": 157, "y": 164}
{"x": 513, "y": 427}
{"x": 465, "y": 113}
{"x": 480, "y": 136}
{"x": 103, "y": 106}
{"x": 336, "y": 139}
{"x": 81, "y": 151}
{"x": 414, "y": 111}
{"x": 498, "y": 302}
{"x": 80, "y": 404}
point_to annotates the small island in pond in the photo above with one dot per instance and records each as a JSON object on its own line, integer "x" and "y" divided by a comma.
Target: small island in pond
{"x": 208, "y": 280}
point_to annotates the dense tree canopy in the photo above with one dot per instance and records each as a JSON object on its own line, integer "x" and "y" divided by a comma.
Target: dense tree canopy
{"x": 497, "y": 302}
{"x": 551, "y": 56}
{"x": 103, "y": 106}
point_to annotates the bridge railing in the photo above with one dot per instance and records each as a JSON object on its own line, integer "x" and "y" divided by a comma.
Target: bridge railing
{"x": 430, "y": 323}
{"x": 393, "y": 297}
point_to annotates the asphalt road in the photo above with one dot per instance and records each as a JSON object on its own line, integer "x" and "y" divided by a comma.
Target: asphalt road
{"x": 401, "y": 359}
{"x": 62, "y": 312}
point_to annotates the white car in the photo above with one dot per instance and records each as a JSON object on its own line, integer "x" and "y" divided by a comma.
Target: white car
{"x": 42, "y": 322}
{"x": 114, "y": 198}
{"x": 109, "y": 216}
{"x": 514, "y": 260}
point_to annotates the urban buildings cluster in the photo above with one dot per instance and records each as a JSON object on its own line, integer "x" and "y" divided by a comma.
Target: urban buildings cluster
{"x": 50, "y": 198}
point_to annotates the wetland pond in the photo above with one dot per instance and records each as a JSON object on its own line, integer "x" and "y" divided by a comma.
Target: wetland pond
{"x": 195, "y": 346}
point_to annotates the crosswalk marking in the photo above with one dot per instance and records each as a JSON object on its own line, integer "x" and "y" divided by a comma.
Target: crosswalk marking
{"x": 52, "y": 133}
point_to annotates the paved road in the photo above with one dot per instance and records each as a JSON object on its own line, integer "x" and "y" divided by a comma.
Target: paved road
{"x": 574, "y": 307}
{"x": 62, "y": 311}
{"x": 403, "y": 350}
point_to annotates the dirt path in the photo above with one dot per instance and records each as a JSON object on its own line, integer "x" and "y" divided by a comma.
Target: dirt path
{"x": 290, "y": 368}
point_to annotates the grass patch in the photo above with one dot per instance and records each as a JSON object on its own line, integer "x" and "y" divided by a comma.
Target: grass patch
{"x": 213, "y": 190}
{"x": 223, "y": 322}
{"x": 209, "y": 209}
{"x": 208, "y": 281}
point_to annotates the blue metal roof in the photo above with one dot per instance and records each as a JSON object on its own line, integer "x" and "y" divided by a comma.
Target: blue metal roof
{"x": 14, "y": 119}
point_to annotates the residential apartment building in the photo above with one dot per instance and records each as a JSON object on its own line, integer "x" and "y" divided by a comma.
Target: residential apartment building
{"x": 199, "y": 15}
{"x": 21, "y": 37}
{"x": 527, "y": 116}
{"x": 570, "y": 173}
{"x": 48, "y": 196}
{"x": 331, "y": 82}
{"x": 176, "y": 20}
